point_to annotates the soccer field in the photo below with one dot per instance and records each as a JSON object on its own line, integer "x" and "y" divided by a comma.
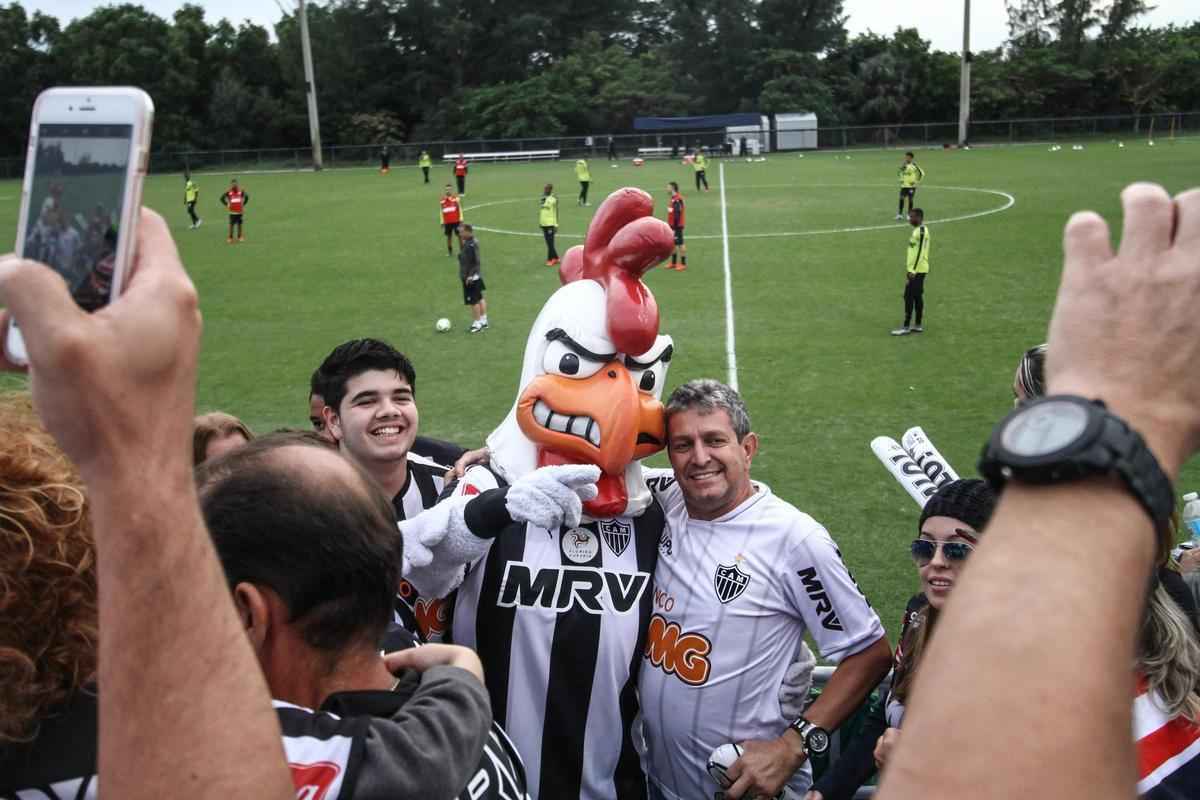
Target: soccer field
{"x": 816, "y": 263}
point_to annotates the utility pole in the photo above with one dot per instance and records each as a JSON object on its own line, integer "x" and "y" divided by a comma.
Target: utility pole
{"x": 964, "y": 86}
{"x": 310, "y": 89}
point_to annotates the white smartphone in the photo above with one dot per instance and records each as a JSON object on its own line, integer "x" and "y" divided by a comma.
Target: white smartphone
{"x": 88, "y": 152}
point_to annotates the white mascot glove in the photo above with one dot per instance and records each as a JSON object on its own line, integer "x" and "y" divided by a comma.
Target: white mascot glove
{"x": 552, "y": 496}
{"x": 437, "y": 547}
{"x": 797, "y": 681}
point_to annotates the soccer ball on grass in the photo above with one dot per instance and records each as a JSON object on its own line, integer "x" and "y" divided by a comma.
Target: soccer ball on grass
{"x": 442, "y": 325}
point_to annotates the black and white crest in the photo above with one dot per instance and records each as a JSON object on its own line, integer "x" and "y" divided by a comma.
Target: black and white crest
{"x": 730, "y": 581}
{"x": 616, "y": 535}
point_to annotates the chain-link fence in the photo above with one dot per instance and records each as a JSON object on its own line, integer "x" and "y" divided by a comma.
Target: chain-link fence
{"x": 673, "y": 144}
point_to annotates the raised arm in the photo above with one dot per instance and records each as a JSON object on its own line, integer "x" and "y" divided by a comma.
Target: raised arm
{"x": 116, "y": 388}
{"x": 1044, "y": 696}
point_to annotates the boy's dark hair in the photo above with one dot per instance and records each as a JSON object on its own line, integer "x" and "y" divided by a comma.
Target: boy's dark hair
{"x": 920, "y": 212}
{"x": 316, "y": 384}
{"x": 327, "y": 547}
{"x": 909, "y": 153}
{"x": 355, "y": 357}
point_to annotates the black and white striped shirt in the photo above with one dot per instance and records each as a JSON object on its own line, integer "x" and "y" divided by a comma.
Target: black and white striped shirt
{"x": 559, "y": 619}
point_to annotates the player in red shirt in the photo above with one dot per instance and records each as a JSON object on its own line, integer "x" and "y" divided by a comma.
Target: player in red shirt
{"x": 452, "y": 215}
{"x": 675, "y": 218}
{"x": 236, "y": 200}
{"x": 460, "y": 174}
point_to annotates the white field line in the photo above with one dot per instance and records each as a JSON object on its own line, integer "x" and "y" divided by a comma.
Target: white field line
{"x": 1009, "y": 202}
{"x": 730, "y": 348}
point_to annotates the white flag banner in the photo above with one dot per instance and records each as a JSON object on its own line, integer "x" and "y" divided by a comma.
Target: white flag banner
{"x": 928, "y": 458}
{"x": 904, "y": 469}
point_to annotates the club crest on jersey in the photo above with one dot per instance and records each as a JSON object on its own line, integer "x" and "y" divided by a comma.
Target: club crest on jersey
{"x": 580, "y": 545}
{"x": 313, "y": 781}
{"x": 730, "y": 581}
{"x": 616, "y": 535}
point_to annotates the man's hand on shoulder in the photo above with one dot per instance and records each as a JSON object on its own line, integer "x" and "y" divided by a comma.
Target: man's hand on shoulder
{"x": 765, "y": 766}
{"x": 435, "y": 655}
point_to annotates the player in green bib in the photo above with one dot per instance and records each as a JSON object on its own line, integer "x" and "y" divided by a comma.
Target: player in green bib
{"x": 425, "y": 162}
{"x": 700, "y": 164}
{"x": 548, "y": 220}
{"x": 191, "y": 193}
{"x": 585, "y": 178}
{"x": 910, "y": 176}
{"x": 917, "y": 267}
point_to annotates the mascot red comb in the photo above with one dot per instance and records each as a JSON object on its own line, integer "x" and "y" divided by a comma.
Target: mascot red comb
{"x": 552, "y": 547}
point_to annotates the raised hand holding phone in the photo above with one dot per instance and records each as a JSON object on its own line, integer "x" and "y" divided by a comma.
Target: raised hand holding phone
{"x": 88, "y": 151}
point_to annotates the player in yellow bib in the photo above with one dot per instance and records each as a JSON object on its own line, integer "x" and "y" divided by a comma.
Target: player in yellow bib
{"x": 548, "y": 220}
{"x": 916, "y": 268}
{"x": 191, "y": 193}
{"x": 700, "y": 164}
{"x": 585, "y": 178}
{"x": 910, "y": 177}
{"x": 425, "y": 162}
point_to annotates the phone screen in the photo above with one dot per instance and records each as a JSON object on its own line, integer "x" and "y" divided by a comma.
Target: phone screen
{"x": 75, "y": 205}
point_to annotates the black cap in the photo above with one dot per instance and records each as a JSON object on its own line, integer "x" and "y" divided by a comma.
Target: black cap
{"x": 970, "y": 500}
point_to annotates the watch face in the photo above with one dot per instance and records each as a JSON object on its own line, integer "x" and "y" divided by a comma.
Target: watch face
{"x": 818, "y": 741}
{"x": 1044, "y": 428}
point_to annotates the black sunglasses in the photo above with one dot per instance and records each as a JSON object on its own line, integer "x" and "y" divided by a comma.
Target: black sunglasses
{"x": 923, "y": 551}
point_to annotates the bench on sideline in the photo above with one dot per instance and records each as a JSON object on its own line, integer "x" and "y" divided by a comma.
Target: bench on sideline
{"x": 657, "y": 152}
{"x": 514, "y": 155}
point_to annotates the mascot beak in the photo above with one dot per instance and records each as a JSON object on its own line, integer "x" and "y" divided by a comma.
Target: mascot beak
{"x": 602, "y": 420}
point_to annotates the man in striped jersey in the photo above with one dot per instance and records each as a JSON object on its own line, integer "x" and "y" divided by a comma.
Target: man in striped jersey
{"x": 742, "y": 575}
{"x": 308, "y": 546}
{"x": 370, "y": 411}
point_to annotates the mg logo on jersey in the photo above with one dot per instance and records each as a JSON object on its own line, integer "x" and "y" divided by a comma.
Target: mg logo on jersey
{"x": 616, "y": 535}
{"x": 431, "y": 618}
{"x": 816, "y": 593}
{"x": 312, "y": 781}
{"x": 561, "y": 589}
{"x": 684, "y": 655}
{"x": 730, "y": 581}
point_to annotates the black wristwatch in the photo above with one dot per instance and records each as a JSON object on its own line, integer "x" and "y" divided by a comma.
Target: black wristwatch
{"x": 815, "y": 738}
{"x": 1065, "y": 438}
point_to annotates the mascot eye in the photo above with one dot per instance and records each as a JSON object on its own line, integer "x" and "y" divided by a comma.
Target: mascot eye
{"x": 562, "y": 360}
{"x": 647, "y": 382}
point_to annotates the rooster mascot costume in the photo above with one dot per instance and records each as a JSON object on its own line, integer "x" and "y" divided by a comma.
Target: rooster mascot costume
{"x": 547, "y": 554}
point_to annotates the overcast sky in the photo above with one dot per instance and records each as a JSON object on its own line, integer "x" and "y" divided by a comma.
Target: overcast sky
{"x": 939, "y": 21}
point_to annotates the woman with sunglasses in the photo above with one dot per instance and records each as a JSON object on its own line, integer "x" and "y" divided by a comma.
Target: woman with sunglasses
{"x": 949, "y": 528}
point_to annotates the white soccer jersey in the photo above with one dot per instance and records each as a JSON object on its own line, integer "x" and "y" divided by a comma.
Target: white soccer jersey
{"x": 558, "y": 618}
{"x": 732, "y": 600}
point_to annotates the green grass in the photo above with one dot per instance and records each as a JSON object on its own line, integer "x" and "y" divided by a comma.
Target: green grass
{"x": 352, "y": 253}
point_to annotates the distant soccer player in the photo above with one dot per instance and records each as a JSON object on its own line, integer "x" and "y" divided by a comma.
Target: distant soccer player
{"x": 460, "y": 173}
{"x": 700, "y": 164}
{"x": 676, "y": 219}
{"x": 585, "y": 178}
{"x": 910, "y": 176}
{"x": 472, "y": 279}
{"x": 191, "y": 193}
{"x": 452, "y": 215}
{"x": 548, "y": 220}
{"x": 425, "y": 162}
{"x": 917, "y": 269}
{"x": 385, "y": 160}
{"x": 236, "y": 200}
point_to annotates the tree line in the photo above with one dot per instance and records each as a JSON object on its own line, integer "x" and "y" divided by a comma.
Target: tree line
{"x": 423, "y": 70}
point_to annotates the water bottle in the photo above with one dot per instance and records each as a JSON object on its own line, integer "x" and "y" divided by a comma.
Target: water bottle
{"x": 1191, "y": 515}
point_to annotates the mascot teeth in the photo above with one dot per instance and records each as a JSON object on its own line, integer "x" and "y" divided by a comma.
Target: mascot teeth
{"x": 581, "y": 426}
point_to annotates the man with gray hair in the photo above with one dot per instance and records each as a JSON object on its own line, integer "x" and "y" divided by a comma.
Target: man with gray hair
{"x": 741, "y": 576}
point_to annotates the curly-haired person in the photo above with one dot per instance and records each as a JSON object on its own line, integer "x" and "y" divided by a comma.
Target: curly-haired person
{"x": 48, "y": 612}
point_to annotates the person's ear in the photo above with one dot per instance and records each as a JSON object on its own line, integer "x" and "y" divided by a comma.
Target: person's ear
{"x": 749, "y": 445}
{"x": 333, "y": 423}
{"x": 254, "y": 612}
